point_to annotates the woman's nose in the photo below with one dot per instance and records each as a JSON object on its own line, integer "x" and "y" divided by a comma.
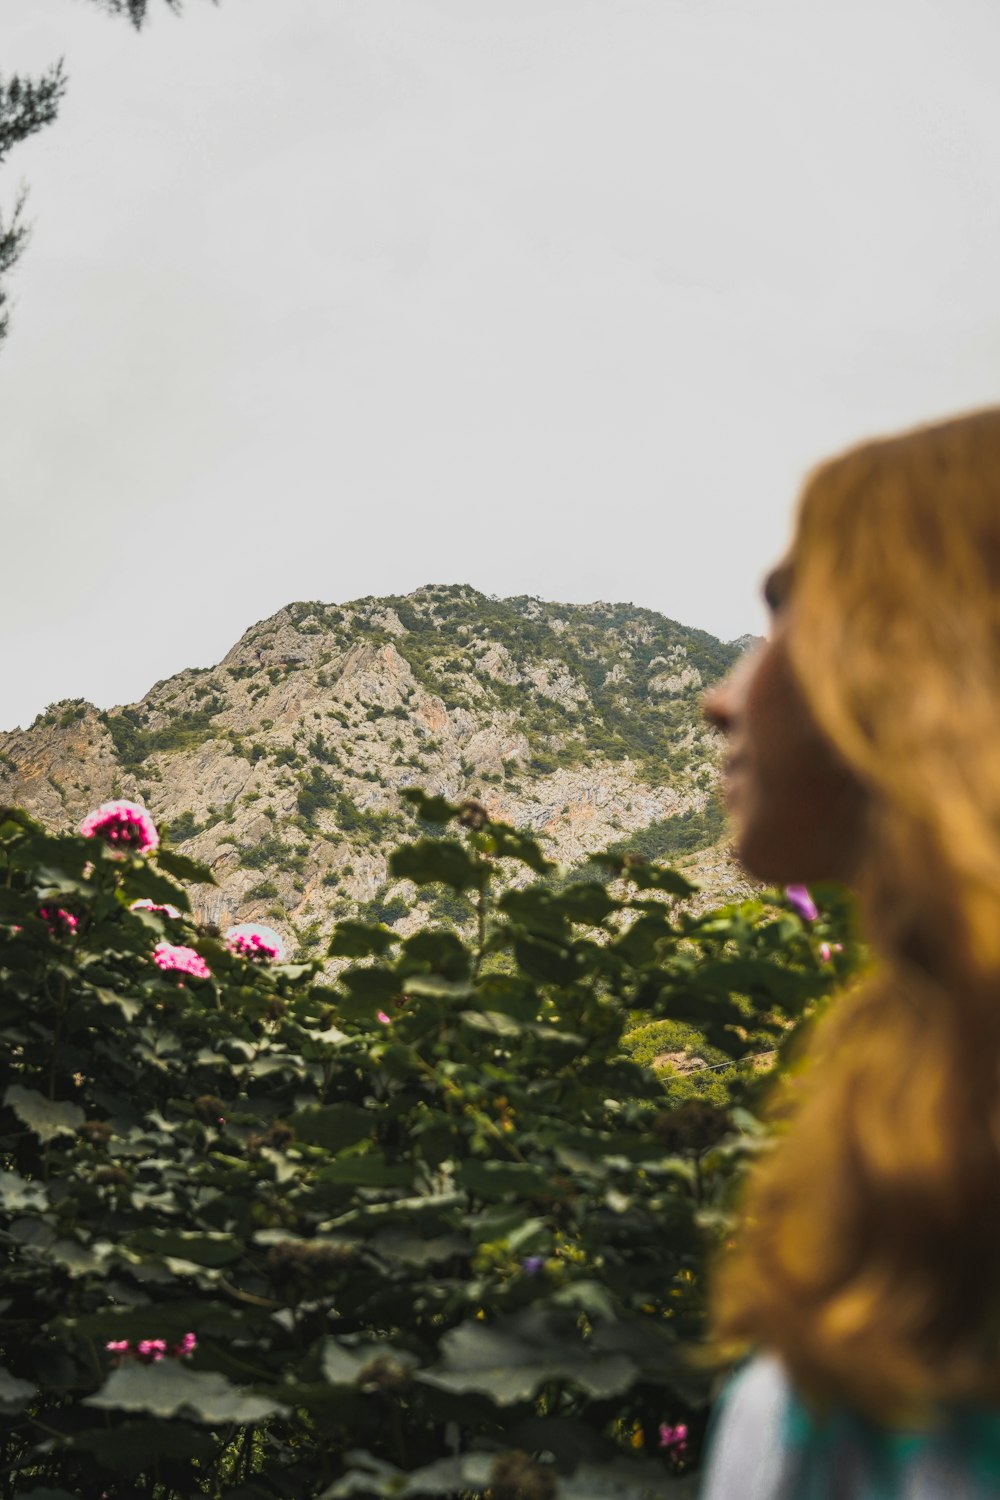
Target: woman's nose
{"x": 723, "y": 704}
{"x": 717, "y": 706}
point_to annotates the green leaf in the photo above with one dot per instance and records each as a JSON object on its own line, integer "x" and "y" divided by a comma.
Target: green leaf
{"x": 342, "y": 1364}
{"x": 203, "y": 1247}
{"x": 183, "y": 868}
{"x": 365, "y": 1171}
{"x": 500, "y": 1179}
{"x": 16, "y": 1194}
{"x": 14, "y": 1393}
{"x": 587, "y": 902}
{"x": 428, "y": 860}
{"x": 509, "y": 1360}
{"x": 358, "y": 940}
{"x": 170, "y": 1389}
{"x": 333, "y": 1126}
{"x": 371, "y": 987}
{"x": 547, "y": 962}
{"x": 128, "y": 1447}
{"x": 141, "y": 880}
{"x": 509, "y": 843}
{"x": 430, "y": 809}
{"x": 509, "y": 995}
{"x": 129, "y": 1008}
{"x": 45, "y": 1118}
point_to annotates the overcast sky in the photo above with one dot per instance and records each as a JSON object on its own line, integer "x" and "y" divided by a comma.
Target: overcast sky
{"x": 562, "y": 297}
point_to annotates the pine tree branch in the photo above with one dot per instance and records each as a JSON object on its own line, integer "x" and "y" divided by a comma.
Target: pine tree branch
{"x": 136, "y": 10}
{"x": 28, "y": 104}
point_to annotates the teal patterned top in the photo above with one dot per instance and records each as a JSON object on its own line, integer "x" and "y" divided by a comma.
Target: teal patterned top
{"x": 765, "y": 1445}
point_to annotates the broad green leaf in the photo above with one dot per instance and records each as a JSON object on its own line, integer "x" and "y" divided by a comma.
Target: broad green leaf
{"x": 128, "y": 1447}
{"x": 435, "y": 860}
{"x": 359, "y": 940}
{"x": 45, "y": 1118}
{"x": 509, "y": 1360}
{"x": 170, "y": 1389}
{"x": 141, "y": 880}
{"x": 430, "y": 809}
{"x": 334, "y": 1126}
{"x": 365, "y": 1171}
{"x": 202, "y": 1247}
{"x": 16, "y": 1194}
{"x": 183, "y": 868}
{"x": 501, "y": 1179}
{"x": 14, "y": 1393}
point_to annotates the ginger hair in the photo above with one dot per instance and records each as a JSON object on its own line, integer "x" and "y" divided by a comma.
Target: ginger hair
{"x": 868, "y": 1255}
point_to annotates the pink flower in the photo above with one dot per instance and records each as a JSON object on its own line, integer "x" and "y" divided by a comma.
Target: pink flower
{"x": 827, "y": 950}
{"x": 253, "y": 940}
{"x": 800, "y": 900}
{"x": 150, "y": 1350}
{"x": 164, "y": 908}
{"x": 187, "y": 1345}
{"x": 380, "y": 1015}
{"x": 117, "y": 1346}
{"x": 673, "y": 1437}
{"x": 184, "y": 960}
{"x": 60, "y": 923}
{"x": 123, "y": 825}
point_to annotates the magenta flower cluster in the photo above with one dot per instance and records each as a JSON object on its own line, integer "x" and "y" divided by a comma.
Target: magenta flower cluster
{"x": 123, "y": 825}
{"x": 181, "y": 960}
{"x": 674, "y": 1438}
{"x": 163, "y": 907}
{"x": 799, "y": 900}
{"x": 149, "y": 1351}
{"x": 61, "y": 923}
{"x": 254, "y": 941}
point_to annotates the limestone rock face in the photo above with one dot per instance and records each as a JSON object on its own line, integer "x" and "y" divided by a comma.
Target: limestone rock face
{"x": 281, "y": 767}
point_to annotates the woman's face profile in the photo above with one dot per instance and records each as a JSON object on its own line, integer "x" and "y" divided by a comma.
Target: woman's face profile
{"x": 798, "y": 812}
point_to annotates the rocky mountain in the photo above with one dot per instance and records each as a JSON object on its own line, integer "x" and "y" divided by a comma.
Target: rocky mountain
{"x": 280, "y": 767}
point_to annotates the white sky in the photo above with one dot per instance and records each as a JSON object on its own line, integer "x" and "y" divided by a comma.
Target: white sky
{"x": 336, "y": 297}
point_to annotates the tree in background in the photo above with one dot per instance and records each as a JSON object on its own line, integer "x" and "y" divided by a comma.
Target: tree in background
{"x": 26, "y": 105}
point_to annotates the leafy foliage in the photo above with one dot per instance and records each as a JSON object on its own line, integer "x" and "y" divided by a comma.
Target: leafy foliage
{"x": 434, "y": 1231}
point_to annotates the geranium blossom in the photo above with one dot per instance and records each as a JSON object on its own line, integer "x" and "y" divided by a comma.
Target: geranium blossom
{"x": 163, "y": 907}
{"x": 61, "y": 923}
{"x": 827, "y": 950}
{"x": 184, "y": 960}
{"x": 799, "y": 900}
{"x": 380, "y": 1015}
{"x": 123, "y": 825}
{"x": 255, "y": 941}
{"x": 149, "y": 1351}
{"x": 673, "y": 1437}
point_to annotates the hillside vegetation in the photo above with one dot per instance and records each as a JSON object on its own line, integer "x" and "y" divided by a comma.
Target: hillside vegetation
{"x": 281, "y": 767}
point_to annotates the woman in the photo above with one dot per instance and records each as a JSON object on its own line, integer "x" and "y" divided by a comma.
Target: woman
{"x": 864, "y": 747}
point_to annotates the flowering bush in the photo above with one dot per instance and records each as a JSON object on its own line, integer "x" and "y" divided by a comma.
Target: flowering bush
{"x": 176, "y": 957}
{"x": 158, "y": 908}
{"x": 458, "y": 1255}
{"x": 149, "y": 1351}
{"x": 255, "y": 941}
{"x": 61, "y": 923}
{"x": 123, "y": 825}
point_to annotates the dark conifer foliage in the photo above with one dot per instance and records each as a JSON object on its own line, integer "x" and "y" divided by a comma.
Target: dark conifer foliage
{"x": 26, "y": 105}
{"x": 136, "y": 10}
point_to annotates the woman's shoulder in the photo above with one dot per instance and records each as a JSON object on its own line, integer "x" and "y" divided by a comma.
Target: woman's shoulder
{"x": 764, "y": 1445}
{"x": 749, "y": 1449}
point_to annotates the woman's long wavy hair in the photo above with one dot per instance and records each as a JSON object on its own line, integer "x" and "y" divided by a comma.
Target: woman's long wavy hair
{"x": 869, "y": 1252}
